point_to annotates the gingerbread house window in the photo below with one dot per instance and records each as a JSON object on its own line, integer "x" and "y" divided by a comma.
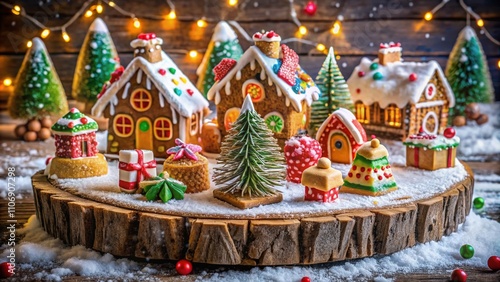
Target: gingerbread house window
{"x": 123, "y": 125}
{"x": 141, "y": 100}
{"x": 255, "y": 89}
{"x": 194, "y": 124}
{"x": 163, "y": 129}
{"x": 231, "y": 116}
{"x": 392, "y": 116}
{"x": 362, "y": 112}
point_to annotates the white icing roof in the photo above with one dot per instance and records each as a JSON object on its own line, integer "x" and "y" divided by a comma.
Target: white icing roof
{"x": 346, "y": 117}
{"x": 395, "y": 87}
{"x": 252, "y": 55}
{"x": 98, "y": 25}
{"x": 185, "y": 104}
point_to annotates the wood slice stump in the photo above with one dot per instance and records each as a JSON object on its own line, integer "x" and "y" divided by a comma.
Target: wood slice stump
{"x": 294, "y": 239}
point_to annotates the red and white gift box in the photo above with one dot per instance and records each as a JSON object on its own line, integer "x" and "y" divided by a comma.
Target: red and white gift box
{"x": 135, "y": 166}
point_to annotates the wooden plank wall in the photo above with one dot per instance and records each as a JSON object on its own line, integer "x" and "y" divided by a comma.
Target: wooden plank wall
{"x": 366, "y": 24}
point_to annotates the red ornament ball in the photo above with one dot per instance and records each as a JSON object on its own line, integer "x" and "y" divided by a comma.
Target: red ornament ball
{"x": 449, "y": 132}
{"x": 184, "y": 267}
{"x": 494, "y": 263}
{"x": 458, "y": 275}
{"x": 412, "y": 77}
{"x": 84, "y": 120}
{"x": 361, "y": 73}
{"x": 310, "y": 8}
{"x": 4, "y": 270}
{"x": 71, "y": 124}
{"x": 305, "y": 279}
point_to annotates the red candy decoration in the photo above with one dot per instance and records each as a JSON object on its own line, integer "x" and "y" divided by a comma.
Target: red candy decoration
{"x": 361, "y": 73}
{"x": 358, "y": 90}
{"x": 289, "y": 65}
{"x": 494, "y": 263}
{"x": 162, "y": 71}
{"x": 48, "y": 160}
{"x": 190, "y": 92}
{"x": 73, "y": 110}
{"x": 412, "y": 77}
{"x": 84, "y": 120}
{"x": 4, "y": 270}
{"x": 301, "y": 152}
{"x": 449, "y": 132}
{"x": 70, "y": 124}
{"x": 305, "y": 279}
{"x": 310, "y": 8}
{"x": 223, "y": 68}
{"x": 458, "y": 275}
{"x": 270, "y": 34}
{"x": 146, "y": 36}
{"x": 183, "y": 267}
{"x": 257, "y": 35}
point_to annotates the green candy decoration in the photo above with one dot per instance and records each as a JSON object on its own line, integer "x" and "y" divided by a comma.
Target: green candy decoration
{"x": 478, "y": 203}
{"x": 165, "y": 189}
{"x": 144, "y": 126}
{"x": 172, "y": 70}
{"x": 377, "y": 76}
{"x": 374, "y": 66}
{"x": 467, "y": 251}
{"x": 275, "y": 123}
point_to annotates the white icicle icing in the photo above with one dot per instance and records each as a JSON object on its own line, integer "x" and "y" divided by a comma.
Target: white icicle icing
{"x": 148, "y": 83}
{"x": 252, "y": 64}
{"x": 287, "y": 102}
{"x": 228, "y": 88}
{"x": 269, "y": 81}
{"x": 278, "y": 91}
{"x": 182, "y": 128}
{"x": 114, "y": 101}
{"x": 162, "y": 101}
{"x": 238, "y": 75}
{"x": 139, "y": 76}
{"x": 125, "y": 90}
{"x": 217, "y": 98}
{"x": 174, "y": 115}
{"x": 262, "y": 74}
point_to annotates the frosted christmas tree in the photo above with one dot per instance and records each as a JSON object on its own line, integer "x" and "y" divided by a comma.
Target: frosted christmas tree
{"x": 467, "y": 72}
{"x": 96, "y": 61}
{"x": 251, "y": 162}
{"x": 334, "y": 92}
{"x": 224, "y": 44}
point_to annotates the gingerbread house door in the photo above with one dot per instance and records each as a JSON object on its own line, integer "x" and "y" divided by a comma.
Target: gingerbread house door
{"x": 143, "y": 134}
{"x": 340, "y": 148}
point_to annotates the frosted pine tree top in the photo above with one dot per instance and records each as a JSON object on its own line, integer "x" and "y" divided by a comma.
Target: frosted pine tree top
{"x": 223, "y": 32}
{"x": 98, "y": 25}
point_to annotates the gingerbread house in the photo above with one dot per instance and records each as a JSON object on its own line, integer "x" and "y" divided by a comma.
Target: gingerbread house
{"x": 152, "y": 103}
{"x": 281, "y": 91}
{"x": 340, "y": 136}
{"x": 395, "y": 99}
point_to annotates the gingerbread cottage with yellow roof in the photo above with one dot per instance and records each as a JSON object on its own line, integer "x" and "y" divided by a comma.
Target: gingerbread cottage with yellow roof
{"x": 281, "y": 91}
{"x": 151, "y": 103}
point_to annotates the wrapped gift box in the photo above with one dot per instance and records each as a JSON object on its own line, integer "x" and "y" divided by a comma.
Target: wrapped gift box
{"x": 135, "y": 166}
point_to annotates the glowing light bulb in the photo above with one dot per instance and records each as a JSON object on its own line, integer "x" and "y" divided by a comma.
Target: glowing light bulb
{"x": 336, "y": 27}
{"x": 320, "y": 47}
{"x": 302, "y": 30}
{"x": 7, "y": 82}
{"x": 201, "y": 22}
{"x": 45, "y": 33}
{"x": 428, "y": 16}
{"x": 16, "y": 10}
{"x": 65, "y": 36}
{"x": 99, "y": 8}
{"x": 29, "y": 44}
{"x": 88, "y": 14}
{"x": 171, "y": 15}
{"x": 337, "y": 57}
{"x": 111, "y": 4}
{"x": 498, "y": 64}
{"x": 480, "y": 23}
{"x": 232, "y": 2}
{"x": 193, "y": 53}
{"x": 137, "y": 23}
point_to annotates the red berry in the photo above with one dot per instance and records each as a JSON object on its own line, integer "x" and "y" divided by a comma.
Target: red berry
{"x": 380, "y": 177}
{"x": 494, "y": 263}
{"x": 305, "y": 279}
{"x": 458, "y": 275}
{"x": 84, "y": 120}
{"x": 184, "y": 267}
{"x": 270, "y": 34}
{"x": 449, "y": 132}
{"x": 4, "y": 270}
{"x": 412, "y": 77}
{"x": 361, "y": 73}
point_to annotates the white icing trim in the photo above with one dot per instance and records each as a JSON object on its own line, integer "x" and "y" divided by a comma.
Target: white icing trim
{"x": 139, "y": 76}
{"x": 73, "y": 133}
{"x": 182, "y": 128}
{"x": 65, "y": 121}
{"x": 174, "y": 114}
{"x": 427, "y": 91}
{"x": 264, "y": 37}
{"x": 429, "y": 104}
{"x": 390, "y": 50}
{"x": 137, "y": 43}
{"x": 162, "y": 101}
{"x": 440, "y": 140}
{"x": 148, "y": 83}
{"x": 424, "y": 121}
{"x": 125, "y": 91}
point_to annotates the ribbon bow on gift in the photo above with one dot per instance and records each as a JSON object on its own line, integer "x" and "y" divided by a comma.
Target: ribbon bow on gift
{"x": 184, "y": 150}
{"x": 141, "y": 168}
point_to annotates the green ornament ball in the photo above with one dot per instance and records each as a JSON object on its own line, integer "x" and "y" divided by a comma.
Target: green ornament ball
{"x": 374, "y": 66}
{"x": 144, "y": 126}
{"x": 467, "y": 251}
{"x": 377, "y": 76}
{"x": 478, "y": 203}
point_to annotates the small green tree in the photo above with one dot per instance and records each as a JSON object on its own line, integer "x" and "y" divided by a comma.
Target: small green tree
{"x": 251, "y": 161}
{"x": 96, "y": 61}
{"x": 224, "y": 44}
{"x": 334, "y": 92}
{"x": 467, "y": 72}
{"x": 38, "y": 92}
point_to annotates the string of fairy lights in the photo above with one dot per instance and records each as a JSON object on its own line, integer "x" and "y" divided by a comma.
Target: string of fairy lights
{"x": 92, "y": 7}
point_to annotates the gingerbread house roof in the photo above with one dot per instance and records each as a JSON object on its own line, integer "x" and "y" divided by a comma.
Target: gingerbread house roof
{"x": 74, "y": 123}
{"x": 350, "y": 122}
{"x": 268, "y": 65}
{"x": 395, "y": 87}
{"x": 173, "y": 86}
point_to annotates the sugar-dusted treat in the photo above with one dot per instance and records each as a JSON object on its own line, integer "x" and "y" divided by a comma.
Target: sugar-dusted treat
{"x": 188, "y": 166}
{"x": 76, "y": 148}
{"x": 280, "y": 90}
{"x": 395, "y": 99}
{"x": 210, "y": 137}
{"x": 135, "y": 166}
{"x": 322, "y": 182}
{"x": 151, "y": 102}
{"x": 371, "y": 172}
{"x": 340, "y": 136}
{"x": 249, "y": 171}
{"x": 162, "y": 187}
{"x": 301, "y": 152}
{"x": 431, "y": 152}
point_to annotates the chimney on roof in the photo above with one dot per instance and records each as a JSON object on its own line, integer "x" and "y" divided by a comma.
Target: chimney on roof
{"x": 268, "y": 42}
{"x": 148, "y": 46}
{"x": 389, "y": 53}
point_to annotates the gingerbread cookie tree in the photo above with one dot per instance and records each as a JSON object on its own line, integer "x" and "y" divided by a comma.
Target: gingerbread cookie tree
{"x": 224, "y": 44}
{"x": 97, "y": 60}
{"x": 334, "y": 92}
{"x": 467, "y": 71}
{"x": 251, "y": 162}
